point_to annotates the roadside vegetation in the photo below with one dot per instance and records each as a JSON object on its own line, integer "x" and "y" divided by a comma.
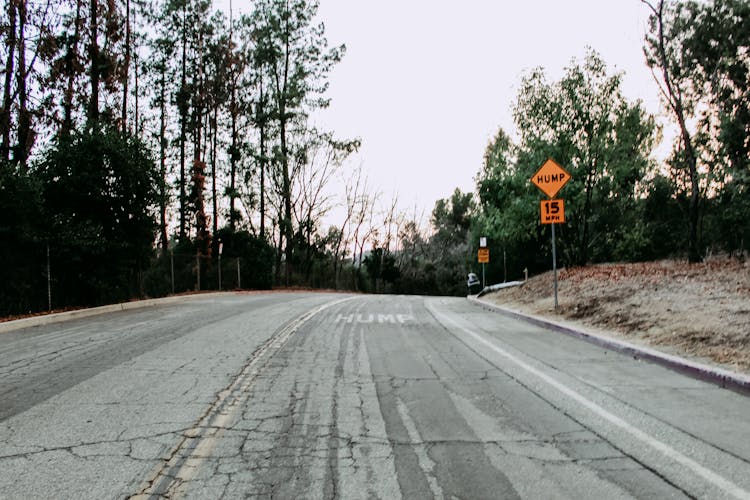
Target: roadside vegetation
{"x": 700, "y": 310}
{"x": 150, "y": 147}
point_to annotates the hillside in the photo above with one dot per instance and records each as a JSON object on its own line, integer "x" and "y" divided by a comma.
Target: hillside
{"x": 701, "y": 311}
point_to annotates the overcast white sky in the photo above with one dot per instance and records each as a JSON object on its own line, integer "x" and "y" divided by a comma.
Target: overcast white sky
{"x": 426, "y": 83}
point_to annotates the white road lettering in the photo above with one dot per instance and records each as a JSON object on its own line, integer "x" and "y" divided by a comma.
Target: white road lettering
{"x": 379, "y": 318}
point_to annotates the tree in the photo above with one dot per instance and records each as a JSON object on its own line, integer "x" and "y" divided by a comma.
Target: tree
{"x": 449, "y": 245}
{"x": 668, "y": 25}
{"x": 508, "y": 207}
{"x": 26, "y": 45}
{"x": 22, "y": 287}
{"x": 100, "y": 192}
{"x": 452, "y": 218}
{"x": 586, "y": 124}
{"x": 298, "y": 60}
{"x": 319, "y": 157}
{"x": 163, "y": 49}
{"x": 714, "y": 56}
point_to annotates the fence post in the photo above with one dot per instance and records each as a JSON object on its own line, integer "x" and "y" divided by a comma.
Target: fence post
{"x": 239, "y": 283}
{"x": 198, "y": 268}
{"x": 49, "y": 282}
{"x": 171, "y": 262}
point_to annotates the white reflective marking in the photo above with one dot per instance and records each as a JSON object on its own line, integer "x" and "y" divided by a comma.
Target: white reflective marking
{"x": 361, "y": 318}
{"x": 380, "y": 318}
{"x": 425, "y": 462}
{"x": 346, "y": 319}
{"x": 707, "y": 474}
{"x": 386, "y": 318}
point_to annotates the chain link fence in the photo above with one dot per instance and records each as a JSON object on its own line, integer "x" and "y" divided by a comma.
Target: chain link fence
{"x": 38, "y": 283}
{"x": 178, "y": 273}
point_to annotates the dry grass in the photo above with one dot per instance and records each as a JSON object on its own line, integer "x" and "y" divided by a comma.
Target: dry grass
{"x": 699, "y": 310}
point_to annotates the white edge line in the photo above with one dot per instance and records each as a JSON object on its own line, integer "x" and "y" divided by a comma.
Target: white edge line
{"x": 707, "y": 474}
{"x": 646, "y": 352}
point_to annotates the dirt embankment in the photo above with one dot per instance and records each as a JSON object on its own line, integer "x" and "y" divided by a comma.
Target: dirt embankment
{"x": 696, "y": 310}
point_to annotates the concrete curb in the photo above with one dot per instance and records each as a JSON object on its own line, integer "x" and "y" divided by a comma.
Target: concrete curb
{"x": 723, "y": 378}
{"x": 48, "y": 319}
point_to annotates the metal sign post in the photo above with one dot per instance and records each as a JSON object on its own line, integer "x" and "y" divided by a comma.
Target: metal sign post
{"x": 550, "y": 178}
{"x": 49, "y": 282}
{"x": 483, "y": 256}
{"x": 554, "y": 262}
{"x": 221, "y": 247}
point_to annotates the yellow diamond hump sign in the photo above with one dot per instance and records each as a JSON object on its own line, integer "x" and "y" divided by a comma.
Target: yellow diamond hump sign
{"x": 550, "y": 178}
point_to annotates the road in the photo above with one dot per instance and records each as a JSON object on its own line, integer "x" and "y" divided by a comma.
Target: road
{"x": 312, "y": 395}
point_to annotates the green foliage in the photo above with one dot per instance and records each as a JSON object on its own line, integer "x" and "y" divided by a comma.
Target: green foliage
{"x": 451, "y": 219}
{"x": 715, "y": 61}
{"x": 509, "y": 209}
{"x": 381, "y": 269}
{"x": 256, "y": 257}
{"x": 586, "y": 124}
{"x": 699, "y": 50}
{"x": 99, "y": 189}
{"x": 22, "y": 253}
{"x": 434, "y": 265}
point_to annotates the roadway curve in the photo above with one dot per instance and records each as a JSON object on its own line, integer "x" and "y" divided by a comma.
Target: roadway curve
{"x": 303, "y": 395}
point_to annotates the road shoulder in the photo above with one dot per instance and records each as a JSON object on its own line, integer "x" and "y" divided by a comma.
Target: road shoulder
{"x": 722, "y": 377}
{"x": 48, "y": 319}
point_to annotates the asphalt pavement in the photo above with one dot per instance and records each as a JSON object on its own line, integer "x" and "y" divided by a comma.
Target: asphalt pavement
{"x": 311, "y": 395}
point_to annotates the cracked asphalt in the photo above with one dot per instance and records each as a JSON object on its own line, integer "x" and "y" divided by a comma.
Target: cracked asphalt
{"x": 310, "y": 395}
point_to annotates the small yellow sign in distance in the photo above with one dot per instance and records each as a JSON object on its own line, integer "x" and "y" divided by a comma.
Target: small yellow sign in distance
{"x": 550, "y": 178}
{"x": 552, "y": 211}
{"x": 483, "y": 255}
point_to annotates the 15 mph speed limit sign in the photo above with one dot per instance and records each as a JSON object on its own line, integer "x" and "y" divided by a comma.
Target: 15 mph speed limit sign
{"x": 552, "y": 211}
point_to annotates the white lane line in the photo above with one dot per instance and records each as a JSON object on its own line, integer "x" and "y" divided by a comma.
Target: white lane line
{"x": 707, "y": 474}
{"x": 425, "y": 462}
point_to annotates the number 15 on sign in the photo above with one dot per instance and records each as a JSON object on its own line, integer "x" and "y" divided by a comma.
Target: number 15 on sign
{"x": 552, "y": 211}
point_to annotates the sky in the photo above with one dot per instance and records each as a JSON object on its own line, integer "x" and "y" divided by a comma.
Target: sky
{"x": 427, "y": 83}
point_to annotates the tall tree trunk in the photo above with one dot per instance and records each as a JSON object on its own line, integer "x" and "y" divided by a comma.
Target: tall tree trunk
{"x": 25, "y": 139}
{"x": 233, "y": 115}
{"x": 183, "y": 105}
{"x": 203, "y": 235}
{"x": 214, "y": 140}
{"x": 5, "y": 112}
{"x": 674, "y": 98}
{"x": 279, "y": 251}
{"x": 286, "y": 184}
{"x": 197, "y": 115}
{"x": 287, "y": 195}
{"x": 136, "y": 117}
{"x": 126, "y": 75}
{"x": 583, "y": 251}
{"x": 93, "y": 111}
{"x": 233, "y": 154}
{"x": 71, "y": 59}
{"x": 163, "y": 159}
{"x": 262, "y": 122}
